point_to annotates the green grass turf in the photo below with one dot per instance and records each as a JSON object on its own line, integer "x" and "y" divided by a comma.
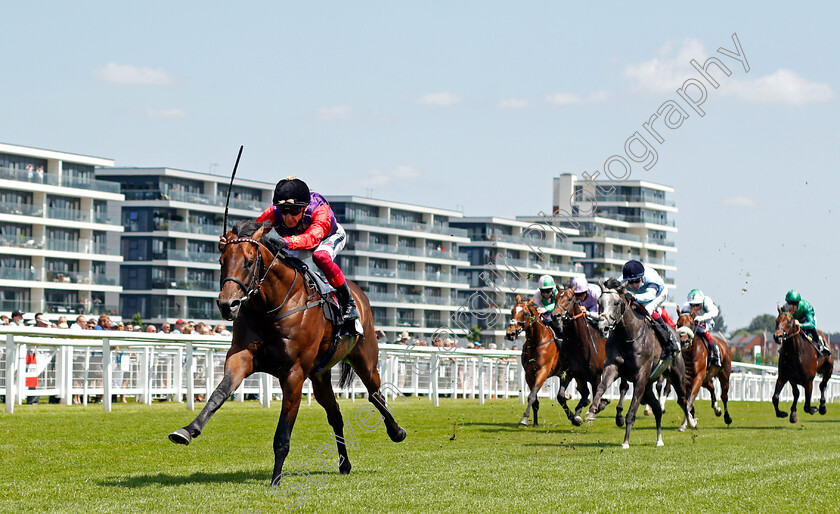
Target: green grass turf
{"x": 72, "y": 458}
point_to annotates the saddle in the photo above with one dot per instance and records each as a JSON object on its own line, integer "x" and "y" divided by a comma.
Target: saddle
{"x": 317, "y": 285}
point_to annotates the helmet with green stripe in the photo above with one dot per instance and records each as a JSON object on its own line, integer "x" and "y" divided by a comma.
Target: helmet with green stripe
{"x": 793, "y": 296}
{"x": 696, "y": 297}
{"x": 547, "y": 282}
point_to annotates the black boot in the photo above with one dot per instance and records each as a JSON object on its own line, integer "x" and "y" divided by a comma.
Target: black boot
{"x": 670, "y": 347}
{"x": 821, "y": 346}
{"x": 348, "y": 304}
{"x": 715, "y": 355}
{"x": 558, "y": 333}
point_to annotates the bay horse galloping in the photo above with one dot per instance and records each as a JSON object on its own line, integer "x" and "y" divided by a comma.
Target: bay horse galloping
{"x": 799, "y": 363}
{"x": 540, "y": 358}
{"x": 698, "y": 372}
{"x": 582, "y": 357}
{"x": 279, "y": 328}
{"x": 632, "y": 352}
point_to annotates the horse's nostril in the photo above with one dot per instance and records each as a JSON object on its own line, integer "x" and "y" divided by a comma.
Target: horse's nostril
{"x": 234, "y": 304}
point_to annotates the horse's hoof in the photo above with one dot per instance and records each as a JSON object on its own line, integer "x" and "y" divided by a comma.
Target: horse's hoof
{"x": 397, "y": 437}
{"x": 625, "y": 446}
{"x": 619, "y": 421}
{"x": 780, "y": 414}
{"x": 660, "y": 443}
{"x": 647, "y": 411}
{"x": 589, "y": 416}
{"x": 577, "y": 421}
{"x": 727, "y": 418}
{"x": 523, "y": 421}
{"x": 793, "y": 418}
{"x": 718, "y": 412}
{"x": 823, "y": 410}
{"x": 344, "y": 469}
{"x": 180, "y": 436}
{"x": 812, "y": 410}
{"x": 681, "y": 428}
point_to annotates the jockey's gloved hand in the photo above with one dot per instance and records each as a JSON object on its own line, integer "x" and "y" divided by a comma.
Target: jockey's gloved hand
{"x": 282, "y": 243}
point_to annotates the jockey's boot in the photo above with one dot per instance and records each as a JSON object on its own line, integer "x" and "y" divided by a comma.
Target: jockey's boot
{"x": 670, "y": 347}
{"x": 348, "y": 304}
{"x": 821, "y": 346}
{"x": 558, "y": 333}
{"x": 714, "y": 351}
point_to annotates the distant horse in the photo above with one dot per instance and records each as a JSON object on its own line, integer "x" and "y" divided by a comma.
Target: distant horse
{"x": 799, "y": 363}
{"x": 697, "y": 371}
{"x": 540, "y": 359}
{"x": 632, "y": 351}
{"x": 582, "y": 358}
{"x": 279, "y": 327}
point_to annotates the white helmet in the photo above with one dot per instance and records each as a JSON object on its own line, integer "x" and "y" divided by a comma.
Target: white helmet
{"x": 696, "y": 297}
{"x": 580, "y": 285}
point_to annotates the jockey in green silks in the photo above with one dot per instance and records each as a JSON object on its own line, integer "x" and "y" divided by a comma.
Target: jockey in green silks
{"x": 803, "y": 312}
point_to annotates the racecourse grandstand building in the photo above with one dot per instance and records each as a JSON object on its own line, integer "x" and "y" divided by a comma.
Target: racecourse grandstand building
{"x": 406, "y": 257}
{"x": 506, "y": 258}
{"x": 59, "y": 234}
{"x": 618, "y": 221}
{"x": 173, "y": 220}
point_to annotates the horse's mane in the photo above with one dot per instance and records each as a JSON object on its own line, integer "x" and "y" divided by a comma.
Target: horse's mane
{"x": 247, "y": 228}
{"x": 613, "y": 283}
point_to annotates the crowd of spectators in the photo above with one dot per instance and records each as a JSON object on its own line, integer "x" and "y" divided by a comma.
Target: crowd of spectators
{"x": 103, "y": 322}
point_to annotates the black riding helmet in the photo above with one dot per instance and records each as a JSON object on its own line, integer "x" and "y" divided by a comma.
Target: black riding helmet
{"x": 291, "y": 192}
{"x": 633, "y": 270}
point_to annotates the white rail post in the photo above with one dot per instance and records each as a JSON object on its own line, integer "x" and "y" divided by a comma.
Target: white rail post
{"x": 520, "y": 373}
{"x": 144, "y": 374}
{"x": 85, "y": 376}
{"x": 415, "y": 376}
{"x": 265, "y": 381}
{"x": 190, "y": 363}
{"x": 150, "y": 375}
{"x": 308, "y": 392}
{"x": 209, "y": 374}
{"x": 454, "y": 379}
{"x": 20, "y": 378}
{"x": 481, "y": 372}
{"x": 107, "y": 373}
{"x": 11, "y": 372}
{"x": 434, "y": 374}
{"x": 67, "y": 375}
{"x": 179, "y": 375}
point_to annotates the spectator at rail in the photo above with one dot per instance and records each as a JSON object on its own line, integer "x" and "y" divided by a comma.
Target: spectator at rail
{"x": 165, "y": 327}
{"x": 17, "y": 318}
{"x": 80, "y": 324}
{"x": 4, "y": 320}
{"x": 91, "y": 324}
{"x": 62, "y": 322}
{"x": 200, "y": 328}
{"x": 120, "y": 326}
{"x": 129, "y": 327}
{"x": 42, "y": 322}
{"x": 221, "y": 330}
{"x": 403, "y": 338}
{"x": 179, "y": 327}
{"x": 104, "y": 323}
{"x": 151, "y": 329}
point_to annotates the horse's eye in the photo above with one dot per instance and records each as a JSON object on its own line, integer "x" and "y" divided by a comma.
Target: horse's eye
{"x": 249, "y": 263}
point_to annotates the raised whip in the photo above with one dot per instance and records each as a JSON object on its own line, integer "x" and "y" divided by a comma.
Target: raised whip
{"x": 230, "y": 186}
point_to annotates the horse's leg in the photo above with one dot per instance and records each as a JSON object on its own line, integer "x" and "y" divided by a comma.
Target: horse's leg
{"x": 809, "y": 389}
{"x": 533, "y": 401}
{"x": 323, "y": 392}
{"x": 365, "y": 368}
{"x": 653, "y": 402}
{"x": 689, "y": 403}
{"x": 292, "y": 388}
{"x": 639, "y": 390}
{"x": 793, "y": 417}
{"x": 781, "y": 380}
{"x": 664, "y": 391}
{"x": 530, "y": 379}
{"x": 610, "y": 372}
{"x": 561, "y": 399}
{"x": 709, "y": 385}
{"x": 826, "y": 375}
{"x": 623, "y": 387}
{"x": 723, "y": 377}
{"x": 237, "y": 366}
{"x": 583, "y": 388}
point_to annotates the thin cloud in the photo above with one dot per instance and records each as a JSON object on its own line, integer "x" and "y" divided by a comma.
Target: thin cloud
{"x": 380, "y": 178}
{"x": 574, "y": 99}
{"x": 740, "y": 201}
{"x": 336, "y": 113}
{"x": 174, "y": 113}
{"x": 784, "y": 86}
{"x": 444, "y": 99}
{"x": 669, "y": 69}
{"x": 514, "y": 103}
{"x": 128, "y": 74}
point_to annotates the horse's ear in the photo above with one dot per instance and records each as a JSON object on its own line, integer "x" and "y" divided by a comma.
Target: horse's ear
{"x": 779, "y": 309}
{"x": 259, "y": 233}
{"x": 518, "y": 299}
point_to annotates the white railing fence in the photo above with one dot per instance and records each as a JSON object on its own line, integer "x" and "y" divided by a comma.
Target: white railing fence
{"x": 80, "y": 365}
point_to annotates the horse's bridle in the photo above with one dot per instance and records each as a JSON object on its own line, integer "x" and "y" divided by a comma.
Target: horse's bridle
{"x": 613, "y": 323}
{"x": 785, "y": 336}
{"x": 254, "y": 282}
{"x": 525, "y": 322}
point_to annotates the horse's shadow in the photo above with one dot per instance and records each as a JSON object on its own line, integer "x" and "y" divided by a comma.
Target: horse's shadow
{"x": 514, "y": 427}
{"x": 239, "y": 477}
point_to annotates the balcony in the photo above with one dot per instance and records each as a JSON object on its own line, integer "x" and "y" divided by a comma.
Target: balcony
{"x": 18, "y": 274}
{"x": 431, "y": 276}
{"x": 630, "y": 198}
{"x": 410, "y": 298}
{"x": 189, "y": 285}
{"x": 612, "y": 234}
{"x": 534, "y": 241}
{"x": 402, "y": 250}
{"x": 68, "y": 214}
{"x": 405, "y": 225}
{"x": 21, "y": 209}
{"x": 22, "y": 241}
{"x": 180, "y": 255}
{"x": 34, "y": 177}
{"x": 190, "y": 228}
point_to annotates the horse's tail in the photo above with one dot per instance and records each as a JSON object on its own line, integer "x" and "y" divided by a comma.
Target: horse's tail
{"x": 347, "y": 375}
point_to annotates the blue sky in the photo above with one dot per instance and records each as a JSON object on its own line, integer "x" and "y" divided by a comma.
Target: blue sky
{"x": 474, "y": 106}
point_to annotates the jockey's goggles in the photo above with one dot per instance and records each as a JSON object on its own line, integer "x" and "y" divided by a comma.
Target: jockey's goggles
{"x": 294, "y": 211}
